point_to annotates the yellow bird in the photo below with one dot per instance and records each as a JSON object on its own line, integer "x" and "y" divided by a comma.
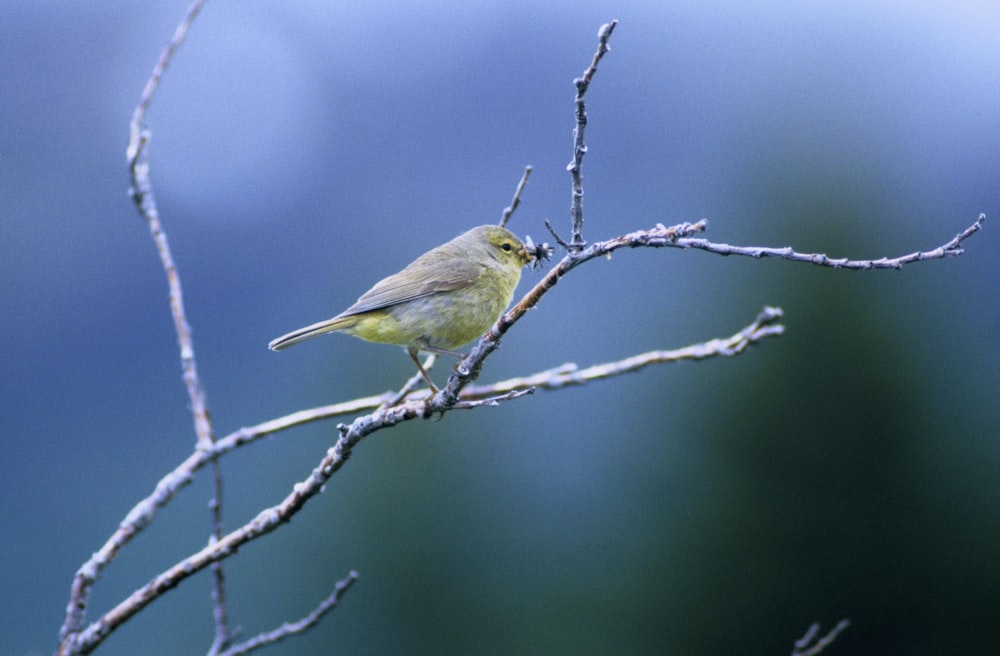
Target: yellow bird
{"x": 445, "y": 298}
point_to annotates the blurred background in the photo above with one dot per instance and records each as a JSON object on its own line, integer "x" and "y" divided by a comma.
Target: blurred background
{"x": 303, "y": 150}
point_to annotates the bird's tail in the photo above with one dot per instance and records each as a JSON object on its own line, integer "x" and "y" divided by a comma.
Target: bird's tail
{"x": 302, "y": 334}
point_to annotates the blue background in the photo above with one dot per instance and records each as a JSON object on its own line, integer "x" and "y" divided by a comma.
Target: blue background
{"x": 303, "y": 150}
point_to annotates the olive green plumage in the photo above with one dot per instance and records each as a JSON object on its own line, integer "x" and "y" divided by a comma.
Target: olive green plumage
{"x": 447, "y": 297}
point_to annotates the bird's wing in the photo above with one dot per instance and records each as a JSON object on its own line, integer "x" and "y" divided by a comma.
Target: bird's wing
{"x": 411, "y": 283}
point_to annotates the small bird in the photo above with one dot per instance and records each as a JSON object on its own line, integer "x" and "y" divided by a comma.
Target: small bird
{"x": 447, "y": 297}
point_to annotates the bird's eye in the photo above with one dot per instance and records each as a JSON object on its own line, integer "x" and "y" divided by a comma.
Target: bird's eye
{"x": 506, "y": 246}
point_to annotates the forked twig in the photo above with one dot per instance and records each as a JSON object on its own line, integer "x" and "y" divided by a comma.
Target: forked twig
{"x": 569, "y": 374}
{"x": 387, "y": 410}
{"x": 509, "y": 210}
{"x": 292, "y": 628}
{"x": 809, "y": 645}
{"x": 575, "y": 166}
{"x": 137, "y": 154}
{"x": 948, "y": 249}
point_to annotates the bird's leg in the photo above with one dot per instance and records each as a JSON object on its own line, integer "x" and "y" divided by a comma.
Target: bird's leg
{"x": 413, "y": 352}
{"x": 440, "y": 351}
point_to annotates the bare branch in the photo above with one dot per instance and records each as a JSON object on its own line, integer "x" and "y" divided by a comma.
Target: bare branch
{"x": 143, "y": 512}
{"x": 575, "y": 167}
{"x": 418, "y": 406}
{"x": 220, "y": 609}
{"x": 805, "y": 646}
{"x": 266, "y": 521}
{"x": 951, "y": 248}
{"x": 678, "y": 236}
{"x": 137, "y": 154}
{"x": 555, "y": 235}
{"x": 391, "y": 408}
{"x": 145, "y": 200}
{"x": 136, "y": 137}
{"x": 468, "y": 369}
{"x": 391, "y": 411}
{"x": 570, "y": 374}
{"x": 517, "y": 197}
{"x": 142, "y": 195}
{"x": 492, "y": 400}
{"x": 292, "y": 628}
{"x": 166, "y": 489}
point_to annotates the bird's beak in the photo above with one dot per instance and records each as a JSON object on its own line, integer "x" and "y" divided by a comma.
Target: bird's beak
{"x": 525, "y": 255}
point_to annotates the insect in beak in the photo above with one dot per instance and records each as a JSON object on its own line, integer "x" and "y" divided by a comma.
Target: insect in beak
{"x": 539, "y": 253}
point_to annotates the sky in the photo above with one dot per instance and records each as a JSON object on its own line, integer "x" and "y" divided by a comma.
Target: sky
{"x": 301, "y": 151}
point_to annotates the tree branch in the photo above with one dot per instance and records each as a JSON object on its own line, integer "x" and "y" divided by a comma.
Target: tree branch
{"x": 137, "y": 155}
{"x": 509, "y": 210}
{"x": 387, "y": 410}
{"x": 418, "y": 405}
{"x": 575, "y": 167}
{"x": 291, "y": 628}
{"x": 805, "y": 646}
{"x": 136, "y": 128}
{"x": 570, "y": 374}
{"x": 948, "y": 249}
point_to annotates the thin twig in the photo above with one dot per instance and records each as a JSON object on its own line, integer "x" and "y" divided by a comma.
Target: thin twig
{"x": 805, "y": 646}
{"x": 493, "y": 400}
{"x": 410, "y": 385}
{"x": 142, "y": 194}
{"x": 136, "y": 137}
{"x": 555, "y": 235}
{"x": 220, "y": 609}
{"x": 391, "y": 408}
{"x": 265, "y": 522}
{"x": 292, "y": 628}
{"x": 678, "y": 236}
{"x": 145, "y": 200}
{"x": 417, "y": 405}
{"x": 949, "y": 249}
{"x": 575, "y": 166}
{"x": 142, "y": 514}
{"x": 137, "y": 154}
{"x": 569, "y": 374}
{"x": 517, "y": 197}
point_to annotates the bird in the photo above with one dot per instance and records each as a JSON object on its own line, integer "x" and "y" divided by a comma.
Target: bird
{"x": 445, "y": 298}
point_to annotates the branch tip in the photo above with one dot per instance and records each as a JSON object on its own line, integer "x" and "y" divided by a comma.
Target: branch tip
{"x": 575, "y": 166}
{"x": 555, "y": 235}
{"x": 407, "y": 403}
{"x": 808, "y": 645}
{"x": 291, "y": 628}
{"x": 505, "y": 216}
